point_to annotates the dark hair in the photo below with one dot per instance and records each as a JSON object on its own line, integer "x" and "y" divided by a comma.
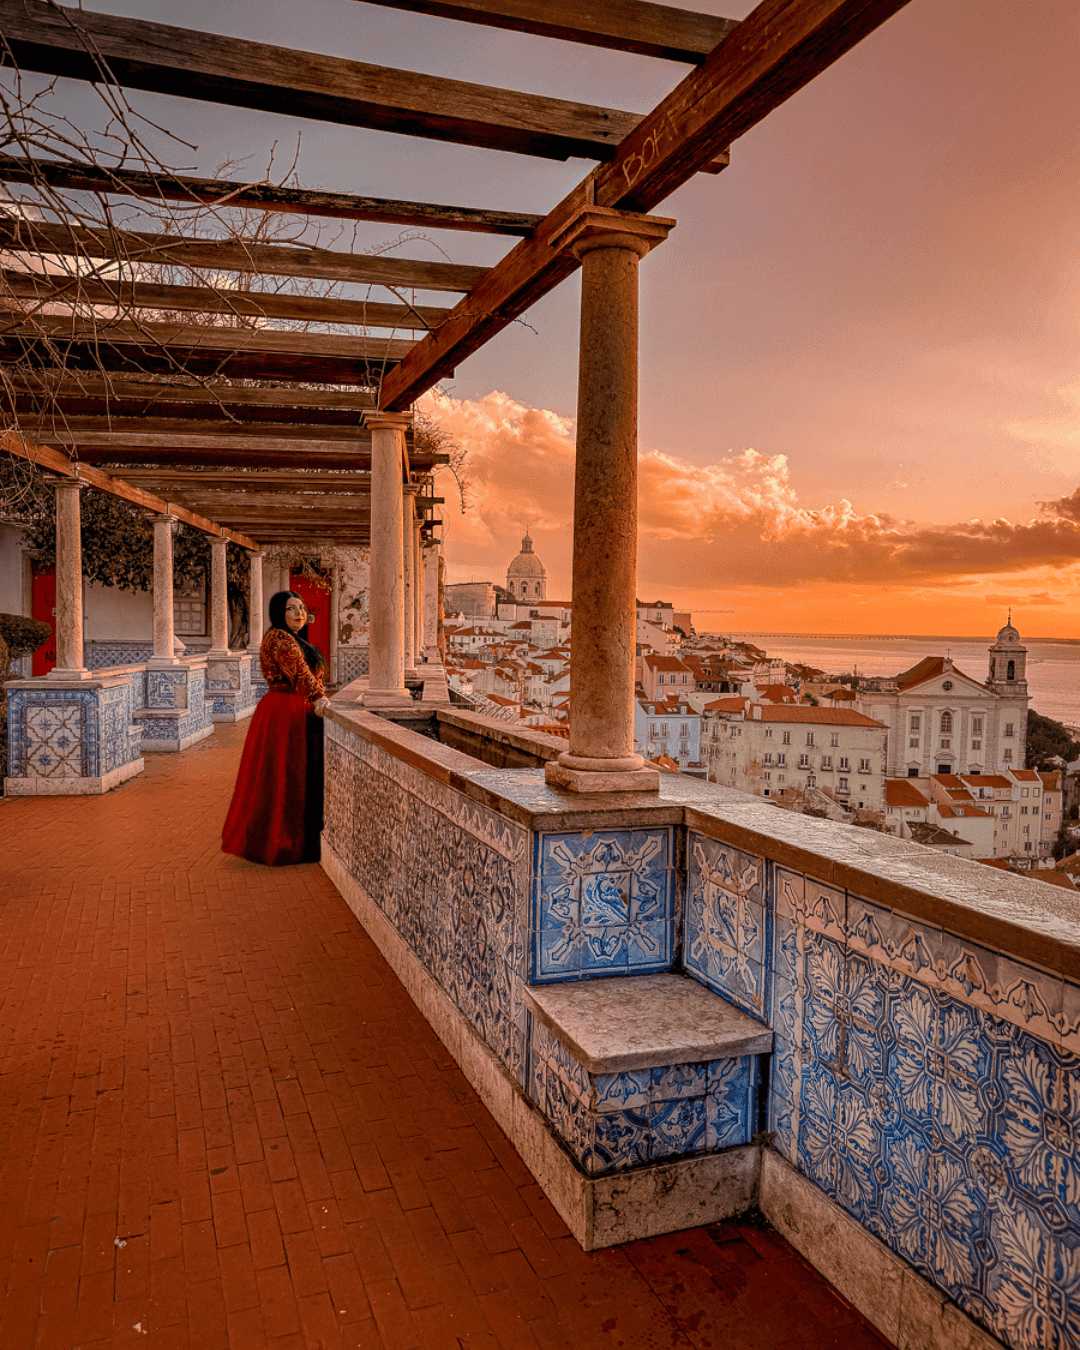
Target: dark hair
{"x": 315, "y": 659}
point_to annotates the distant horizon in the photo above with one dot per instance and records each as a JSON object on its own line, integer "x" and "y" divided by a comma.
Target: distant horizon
{"x": 885, "y": 637}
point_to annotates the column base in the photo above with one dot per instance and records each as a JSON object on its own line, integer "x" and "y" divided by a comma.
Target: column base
{"x": 79, "y": 674}
{"x": 386, "y": 698}
{"x": 160, "y": 662}
{"x": 645, "y": 779}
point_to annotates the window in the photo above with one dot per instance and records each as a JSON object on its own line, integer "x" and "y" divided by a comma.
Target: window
{"x": 916, "y": 724}
{"x": 660, "y": 678}
{"x": 781, "y": 759}
{"x": 1047, "y": 816}
{"x": 946, "y": 723}
{"x": 976, "y": 726}
{"x": 947, "y": 685}
{"x": 663, "y": 728}
{"x": 767, "y": 776}
{"x": 843, "y": 786}
{"x": 1034, "y": 792}
{"x": 1006, "y": 755}
{"x": 946, "y": 743}
{"x": 1027, "y": 829}
{"x": 1027, "y": 847}
{"x": 1023, "y": 810}
{"x": 845, "y": 764}
{"x": 768, "y": 733}
{"x": 809, "y": 738}
{"x": 826, "y": 761}
{"x": 1005, "y": 813}
{"x": 787, "y": 738}
{"x": 804, "y": 761}
{"x": 864, "y": 766}
{"x": 976, "y": 745}
{"x": 684, "y": 729}
{"x": 1008, "y": 729}
{"x": 1023, "y": 792}
{"x": 684, "y": 747}
{"x": 189, "y": 608}
{"x": 834, "y": 739}
{"x": 779, "y": 777}
{"x": 767, "y": 759}
{"x": 1010, "y": 673}
{"x": 684, "y": 679}
{"x": 913, "y": 742}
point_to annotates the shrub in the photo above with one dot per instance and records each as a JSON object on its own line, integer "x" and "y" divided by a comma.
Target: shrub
{"x": 22, "y": 636}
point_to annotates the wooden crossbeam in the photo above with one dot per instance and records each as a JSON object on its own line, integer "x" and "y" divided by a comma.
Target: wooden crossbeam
{"x": 781, "y": 46}
{"x": 136, "y": 54}
{"x": 264, "y": 197}
{"x": 182, "y": 399}
{"x": 222, "y": 480}
{"x": 151, "y": 431}
{"x": 228, "y": 504}
{"x": 127, "y": 296}
{"x": 136, "y": 247}
{"x": 57, "y": 462}
{"x": 621, "y": 25}
{"x": 269, "y": 453}
{"x": 150, "y": 443}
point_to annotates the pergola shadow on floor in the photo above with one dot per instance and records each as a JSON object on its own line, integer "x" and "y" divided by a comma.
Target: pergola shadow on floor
{"x": 225, "y": 1124}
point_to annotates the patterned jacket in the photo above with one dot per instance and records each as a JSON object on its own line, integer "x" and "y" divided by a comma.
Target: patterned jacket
{"x": 282, "y": 661}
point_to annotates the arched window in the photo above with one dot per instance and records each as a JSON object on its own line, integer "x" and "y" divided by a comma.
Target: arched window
{"x": 946, "y": 723}
{"x": 1010, "y": 671}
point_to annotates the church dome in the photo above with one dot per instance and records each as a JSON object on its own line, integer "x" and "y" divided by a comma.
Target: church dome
{"x": 526, "y": 576}
{"x": 1008, "y": 636}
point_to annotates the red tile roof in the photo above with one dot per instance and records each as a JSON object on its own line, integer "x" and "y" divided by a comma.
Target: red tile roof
{"x": 836, "y": 717}
{"x": 900, "y": 792}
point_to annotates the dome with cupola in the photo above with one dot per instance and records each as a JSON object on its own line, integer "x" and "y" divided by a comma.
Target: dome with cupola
{"x": 526, "y": 577}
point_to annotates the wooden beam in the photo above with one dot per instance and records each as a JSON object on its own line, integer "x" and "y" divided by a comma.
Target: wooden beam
{"x": 265, "y": 454}
{"x": 126, "y": 295}
{"x": 178, "y": 430}
{"x": 135, "y": 247}
{"x": 56, "y": 462}
{"x": 621, "y": 25}
{"x": 781, "y": 46}
{"x": 263, "y": 197}
{"x": 227, "y": 504}
{"x": 49, "y": 385}
{"x": 222, "y": 480}
{"x": 135, "y": 54}
{"x": 148, "y": 443}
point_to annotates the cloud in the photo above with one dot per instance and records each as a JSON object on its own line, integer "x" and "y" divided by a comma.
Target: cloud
{"x": 735, "y": 522}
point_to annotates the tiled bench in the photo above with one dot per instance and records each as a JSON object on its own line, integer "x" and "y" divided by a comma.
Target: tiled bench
{"x": 642, "y": 1069}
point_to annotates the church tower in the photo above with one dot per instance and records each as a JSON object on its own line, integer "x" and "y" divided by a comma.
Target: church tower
{"x": 1008, "y": 664}
{"x": 526, "y": 577}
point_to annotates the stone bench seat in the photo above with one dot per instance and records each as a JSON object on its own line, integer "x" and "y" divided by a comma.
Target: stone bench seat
{"x": 645, "y": 1021}
{"x": 639, "y": 1069}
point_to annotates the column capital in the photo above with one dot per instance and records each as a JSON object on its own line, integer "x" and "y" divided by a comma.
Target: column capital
{"x": 602, "y": 227}
{"x": 375, "y": 420}
{"x": 69, "y": 484}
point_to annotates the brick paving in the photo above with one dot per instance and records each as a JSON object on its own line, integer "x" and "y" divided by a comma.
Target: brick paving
{"x": 224, "y": 1124}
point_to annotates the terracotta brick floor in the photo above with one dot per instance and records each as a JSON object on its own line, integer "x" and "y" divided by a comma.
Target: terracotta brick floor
{"x": 224, "y": 1124}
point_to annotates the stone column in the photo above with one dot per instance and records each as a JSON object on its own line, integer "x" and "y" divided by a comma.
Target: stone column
{"x": 408, "y": 492}
{"x": 164, "y": 636}
{"x": 335, "y": 620}
{"x": 219, "y": 598}
{"x": 386, "y": 661}
{"x": 430, "y": 554}
{"x": 601, "y": 756}
{"x": 69, "y": 582}
{"x": 418, "y": 592}
{"x": 256, "y": 621}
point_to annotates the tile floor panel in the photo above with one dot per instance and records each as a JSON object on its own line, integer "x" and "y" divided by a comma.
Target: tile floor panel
{"x": 223, "y": 1124}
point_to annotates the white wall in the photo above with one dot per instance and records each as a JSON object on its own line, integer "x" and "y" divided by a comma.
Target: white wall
{"x": 13, "y": 599}
{"x": 117, "y": 615}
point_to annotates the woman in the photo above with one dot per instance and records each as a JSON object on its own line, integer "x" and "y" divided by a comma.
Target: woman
{"x": 276, "y": 811}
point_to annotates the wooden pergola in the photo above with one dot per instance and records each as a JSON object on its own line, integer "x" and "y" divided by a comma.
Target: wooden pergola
{"x": 239, "y": 460}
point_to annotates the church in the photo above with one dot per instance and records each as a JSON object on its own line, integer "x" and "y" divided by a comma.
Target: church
{"x": 943, "y": 721}
{"x": 526, "y": 577}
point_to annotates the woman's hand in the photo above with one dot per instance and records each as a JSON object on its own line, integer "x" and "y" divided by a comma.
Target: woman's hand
{"x": 321, "y": 706}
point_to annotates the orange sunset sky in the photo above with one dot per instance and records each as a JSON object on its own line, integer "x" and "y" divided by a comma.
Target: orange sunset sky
{"x": 860, "y": 392}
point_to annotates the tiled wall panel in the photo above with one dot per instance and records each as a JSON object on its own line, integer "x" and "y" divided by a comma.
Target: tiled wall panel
{"x": 932, "y": 1088}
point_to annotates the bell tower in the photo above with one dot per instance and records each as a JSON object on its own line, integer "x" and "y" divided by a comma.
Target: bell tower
{"x": 1008, "y": 663}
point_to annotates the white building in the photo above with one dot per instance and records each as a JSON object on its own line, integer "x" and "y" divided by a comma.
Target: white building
{"x": 943, "y": 721}
{"x": 784, "y": 749}
{"x": 526, "y": 577}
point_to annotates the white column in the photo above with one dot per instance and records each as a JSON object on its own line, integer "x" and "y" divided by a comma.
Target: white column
{"x": 430, "y": 555}
{"x": 284, "y": 577}
{"x": 255, "y": 602}
{"x": 601, "y": 756}
{"x": 335, "y": 620}
{"x": 386, "y": 664}
{"x": 408, "y": 492}
{"x": 219, "y": 598}
{"x": 164, "y": 637}
{"x": 418, "y": 592}
{"x": 69, "y": 582}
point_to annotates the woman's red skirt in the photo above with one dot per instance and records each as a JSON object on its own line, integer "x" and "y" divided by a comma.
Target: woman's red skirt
{"x": 276, "y": 812}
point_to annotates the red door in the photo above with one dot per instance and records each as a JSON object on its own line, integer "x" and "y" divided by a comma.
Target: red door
{"x": 43, "y": 606}
{"x": 318, "y": 608}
